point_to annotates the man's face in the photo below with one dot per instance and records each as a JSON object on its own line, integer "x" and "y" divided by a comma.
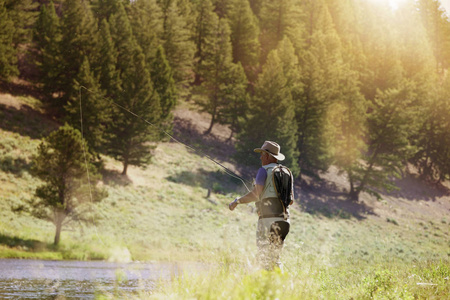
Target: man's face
{"x": 264, "y": 158}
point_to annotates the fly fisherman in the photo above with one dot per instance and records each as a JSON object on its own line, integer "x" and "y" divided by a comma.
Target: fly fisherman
{"x": 273, "y": 192}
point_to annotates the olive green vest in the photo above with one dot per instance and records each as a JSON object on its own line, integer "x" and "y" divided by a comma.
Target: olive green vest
{"x": 269, "y": 190}
{"x": 269, "y": 205}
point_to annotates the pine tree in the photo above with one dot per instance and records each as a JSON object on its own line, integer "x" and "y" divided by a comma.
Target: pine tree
{"x": 235, "y": 98}
{"x": 256, "y": 6}
{"x": 347, "y": 125}
{"x": 433, "y": 139}
{"x": 103, "y": 9}
{"x": 346, "y": 122}
{"x": 277, "y": 19}
{"x": 123, "y": 39}
{"x": 416, "y": 53}
{"x": 60, "y": 163}
{"x": 108, "y": 74}
{"x": 47, "y": 39}
{"x": 23, "y": 14}
{"x": 162, "y": 78}
{"x": 347, "y": 19}
{"x": 177, "y": 42}
{"x": 382, "y": 52}
{"x": 96, "y": 111}
{"x": 223, "y": 91}
{"x": 130, "y": 136}
{"x": 244, "y": 36}
{"x": 222, "y": 7}
{"x": 79, "y": 39}
{"x": 206, "y": 20}
{"x": 8, "y": 56}
{"x": 321, "y": 62}
{"x": 437, "y": 24}
{"x": 214, "y": 71}
{"x": 389, "y": 128}
{"x": 272, "y": 115}
{"x": 291, "y": 66}
{"x": 146, "y": 23}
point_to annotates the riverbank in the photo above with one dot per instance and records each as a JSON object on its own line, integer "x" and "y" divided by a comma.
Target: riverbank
{"x": 43, "y": 279}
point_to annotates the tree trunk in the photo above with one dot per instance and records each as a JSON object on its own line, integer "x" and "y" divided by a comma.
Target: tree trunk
{"x": 125, "y": 164}
{"x": 354, "y": 195}
{"x": 231, "y": 136}
{"x": 213, "y": 120}
{"x": 58, "y": 223}
{"x": 125, "y": 168}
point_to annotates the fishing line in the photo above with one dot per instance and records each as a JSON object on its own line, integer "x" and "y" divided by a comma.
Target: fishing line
{"x": 227, "y": 171}
{"x": 87, "y": 168}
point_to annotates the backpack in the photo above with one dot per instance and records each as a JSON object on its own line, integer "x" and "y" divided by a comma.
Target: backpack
{"x": 282, "y": 182}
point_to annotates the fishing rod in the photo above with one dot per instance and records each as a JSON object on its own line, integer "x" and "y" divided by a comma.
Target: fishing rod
{"x": 227, "y": 171}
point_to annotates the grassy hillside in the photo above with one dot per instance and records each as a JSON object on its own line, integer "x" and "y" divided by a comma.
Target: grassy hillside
{"x": 335, "y": 248}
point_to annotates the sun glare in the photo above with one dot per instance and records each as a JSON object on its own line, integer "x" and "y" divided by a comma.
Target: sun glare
{"x": 393, "y": 4}
{"x": 396, "y": 4}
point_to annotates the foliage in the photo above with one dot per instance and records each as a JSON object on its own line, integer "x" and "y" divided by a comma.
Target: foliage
{"x": 339, "y": 59}
{"x": 48, "y": 58}
{"x": 79, "y": 40}
{"x": 60, "y": 164}
{"x": 221, "y": 82}
{"x": 89, "y": 110}
{"x": 321, "y": 64}
{"x": 109, "y": 76}
{"x": 177, "y": 42}
{"x": 436, "y": 23}
{"x": 272, "y": 115}
{"x": 129, "y": 135}
{"x": 23, "y": 14}
{"x": 8, "y": 58}
{"x": 146, "y": 22}
{"x": 162, "y": 77}
{"x": 277, "y": 19}
{"x": 204, "y": 30}
{"x": 244, "y": 36}
{"x": 433, "y": 139}
{"x": 388, "y": 141}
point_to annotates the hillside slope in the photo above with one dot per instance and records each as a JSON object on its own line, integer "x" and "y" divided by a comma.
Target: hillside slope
{"x": 162, "y": 212}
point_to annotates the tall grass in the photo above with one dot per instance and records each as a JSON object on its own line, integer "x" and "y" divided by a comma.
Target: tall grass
{"x": 239, "y": 277}
{"x": 314, "y": 280}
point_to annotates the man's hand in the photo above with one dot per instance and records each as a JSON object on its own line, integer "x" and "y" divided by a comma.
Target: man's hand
{"x": 233, "y": 204}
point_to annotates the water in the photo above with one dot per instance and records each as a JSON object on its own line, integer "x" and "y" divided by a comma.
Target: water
{"x": 38, "y": 279}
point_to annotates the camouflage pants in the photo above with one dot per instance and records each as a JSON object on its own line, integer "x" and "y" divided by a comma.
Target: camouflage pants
{"x": 270, "y": 236}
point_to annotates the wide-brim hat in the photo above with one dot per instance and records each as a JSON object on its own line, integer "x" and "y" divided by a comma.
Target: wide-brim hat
{"x": 272, "y": 149}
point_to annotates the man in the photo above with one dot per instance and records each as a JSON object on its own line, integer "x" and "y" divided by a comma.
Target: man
{"x": 273, "y": 223}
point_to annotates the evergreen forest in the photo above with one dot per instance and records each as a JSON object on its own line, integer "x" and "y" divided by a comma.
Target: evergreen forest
{"x": 353, "y": 83}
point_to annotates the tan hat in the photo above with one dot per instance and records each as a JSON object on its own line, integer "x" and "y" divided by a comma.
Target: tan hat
{"x": 272, "y": 148}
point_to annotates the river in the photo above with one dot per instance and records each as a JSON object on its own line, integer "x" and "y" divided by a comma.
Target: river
{"x": 39, "y": 279}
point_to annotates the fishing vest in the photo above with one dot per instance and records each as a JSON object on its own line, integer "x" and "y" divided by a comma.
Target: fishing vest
{"x": 269, "y": 206}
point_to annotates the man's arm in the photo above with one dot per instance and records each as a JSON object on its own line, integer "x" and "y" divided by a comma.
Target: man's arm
{"x": 251, "y": 196}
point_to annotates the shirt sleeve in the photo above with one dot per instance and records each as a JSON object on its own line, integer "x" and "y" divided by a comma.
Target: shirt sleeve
{"x": 261, "y": 176}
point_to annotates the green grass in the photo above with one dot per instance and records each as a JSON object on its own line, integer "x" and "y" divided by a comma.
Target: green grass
{"x": 236, "y": 276}
{"x": 161, "y": 214}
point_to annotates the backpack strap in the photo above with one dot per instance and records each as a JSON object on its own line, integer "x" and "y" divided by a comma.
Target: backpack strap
{"x": 275, "y": 186}
{"x": 281, "y": 167}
